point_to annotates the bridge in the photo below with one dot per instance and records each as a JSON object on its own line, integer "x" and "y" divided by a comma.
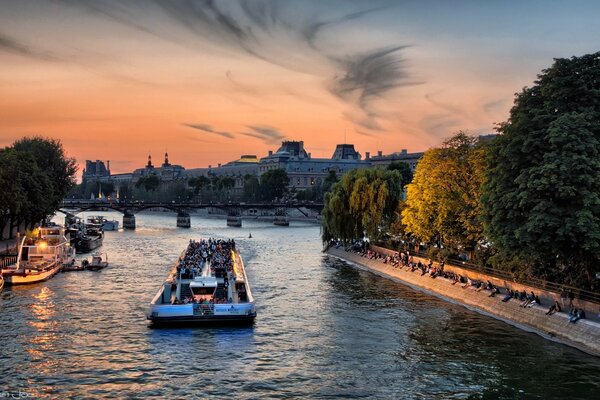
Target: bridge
{"x": 232, "y": 209}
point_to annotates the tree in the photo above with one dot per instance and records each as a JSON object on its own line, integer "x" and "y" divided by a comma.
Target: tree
{"x": 274, "y": 184}
{"x": 442, "y": 203}
{"x": 364, "y": 201}
{"x": 404, "y": 169}
{"x": 150, "y": 183}
{"x": 50, "y": 157}
{"x": 251, "y": 187}
{"x": 541, "y": 201}
{"x": 199, "y": 183}
{"x": 25, "y": 190}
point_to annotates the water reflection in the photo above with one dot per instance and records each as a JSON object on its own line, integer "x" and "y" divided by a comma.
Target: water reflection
{"x": 324, "y": 329}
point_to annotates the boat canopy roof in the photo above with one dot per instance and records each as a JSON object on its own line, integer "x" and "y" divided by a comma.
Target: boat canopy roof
{"x": 204, "y": 281}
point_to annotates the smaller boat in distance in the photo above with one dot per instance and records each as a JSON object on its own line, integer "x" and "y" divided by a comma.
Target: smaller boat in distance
{"x": 250, "y": 235}
{"x": 72, "y": 267}
{"x": 234, "y": 220}
{"x": 99, "y": 261}
{"x": 107, "y": 225}
{"x": 281, "y": 220}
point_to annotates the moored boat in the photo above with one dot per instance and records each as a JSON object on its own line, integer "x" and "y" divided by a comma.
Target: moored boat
{"x": 281, "y": 220}
{"x": 85, "y": 237}
{"x": 41, "y": 255}
{"x": 107, "y": 225}
{"x": 99, "y": 261}
{"x": 235, "y": 221}
{"x": 207, "y": 285}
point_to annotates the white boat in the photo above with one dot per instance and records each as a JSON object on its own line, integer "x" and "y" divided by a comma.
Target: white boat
{"x": 41, "y": 256}
{"x": 208, "y": 289}
{"x": 107, "y": 225}
{"x": 99, "y": 261}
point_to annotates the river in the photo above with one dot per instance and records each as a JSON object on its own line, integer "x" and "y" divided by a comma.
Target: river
{"x": 324, "y": 330}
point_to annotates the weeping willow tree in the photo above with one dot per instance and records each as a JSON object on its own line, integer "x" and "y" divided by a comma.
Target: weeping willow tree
{"x": 365, "y": 201}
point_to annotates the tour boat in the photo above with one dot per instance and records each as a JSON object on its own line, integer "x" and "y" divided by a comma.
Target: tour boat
{"x": 205, "y": 292}
{"x": 41, "y": 256}
{"x": 99, "y": 261}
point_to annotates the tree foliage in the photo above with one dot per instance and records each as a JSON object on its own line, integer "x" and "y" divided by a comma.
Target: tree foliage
{"x": 274, "y": 184}
{"x": 541, "y": 201}
{"x": 35, "y": 175}
{"x": 149, "y": 183}
{"x": 363, "y": 202}
{"x": 404, "y": 169}
{"x": 442, "y": 205}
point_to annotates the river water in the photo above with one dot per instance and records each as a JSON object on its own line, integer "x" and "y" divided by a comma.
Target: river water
{"x": 324, "y": 330}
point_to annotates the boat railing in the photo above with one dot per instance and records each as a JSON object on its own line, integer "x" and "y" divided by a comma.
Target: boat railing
{"x": 243, "y": 267}
{"x": 6, "y": 261}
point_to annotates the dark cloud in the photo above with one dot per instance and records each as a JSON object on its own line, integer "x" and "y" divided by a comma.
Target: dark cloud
{"x": 10, "y": 45}
{"x": 369, "y": 75}
{"x": 265, "y": 133}
{"x": 265, "y": 29}
{"x": 312, "y": 29}
{"x": 209, "y": 129}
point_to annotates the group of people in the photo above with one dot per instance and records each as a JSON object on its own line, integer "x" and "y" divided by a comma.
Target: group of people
{"x": 404, "y": 259}
{"x": 216, "y": 251}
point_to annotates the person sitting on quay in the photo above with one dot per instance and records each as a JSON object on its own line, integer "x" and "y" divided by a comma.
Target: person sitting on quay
{"x": 509, "y": 295}
{"x": 528, "y": 300}
{"x": 468, "y": 284}
{"x": 577, "y": 315}
{"x": 554, "y": 308}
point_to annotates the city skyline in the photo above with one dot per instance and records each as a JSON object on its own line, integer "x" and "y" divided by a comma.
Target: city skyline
{"x": 209, "y": 81}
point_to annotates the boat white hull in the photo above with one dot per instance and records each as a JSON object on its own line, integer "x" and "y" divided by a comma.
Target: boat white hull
{"x": 243, "y": 313}
{"x": 29, "y": 277}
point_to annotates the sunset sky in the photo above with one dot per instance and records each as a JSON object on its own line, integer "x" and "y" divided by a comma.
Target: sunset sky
{"x": 211, "y": 80}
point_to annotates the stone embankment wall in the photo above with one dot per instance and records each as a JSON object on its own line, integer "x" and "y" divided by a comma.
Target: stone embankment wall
{"x": 584, "y": 335}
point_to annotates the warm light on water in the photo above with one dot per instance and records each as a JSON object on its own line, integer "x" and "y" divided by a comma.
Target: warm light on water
{"x": 323, "y": 330}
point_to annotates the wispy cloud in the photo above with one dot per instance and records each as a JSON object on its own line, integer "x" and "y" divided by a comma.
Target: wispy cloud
{"x": 13, "y": 46}
{"x": 266, "y": 30}
{"x": 209, "y": 129}
{"x": 265, "y": 133}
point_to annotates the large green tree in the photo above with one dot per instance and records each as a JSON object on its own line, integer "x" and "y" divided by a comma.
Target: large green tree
{"x": 25, "y": 189}
{"x": 364, "y": 201}
{"x": 442, "y": 203}
{"x": 50, "y": 157}
{"x": 541, "y": 201}
{"x": 274, "y": 184}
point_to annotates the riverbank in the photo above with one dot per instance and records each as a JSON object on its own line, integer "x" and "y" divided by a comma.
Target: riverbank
{"x": 584, "y": 335}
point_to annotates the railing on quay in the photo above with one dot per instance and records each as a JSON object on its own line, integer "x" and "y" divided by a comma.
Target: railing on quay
{"x": 582, "y": 294}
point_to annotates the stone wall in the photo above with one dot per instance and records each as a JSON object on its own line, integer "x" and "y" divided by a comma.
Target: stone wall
{"x": 584, "y": 335}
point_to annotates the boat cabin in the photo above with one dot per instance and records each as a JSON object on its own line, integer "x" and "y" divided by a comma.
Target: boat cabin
{"x": 203, "y": 288}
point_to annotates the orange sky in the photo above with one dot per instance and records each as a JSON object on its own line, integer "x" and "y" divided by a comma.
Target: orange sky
{"x": 117, "y": 80}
